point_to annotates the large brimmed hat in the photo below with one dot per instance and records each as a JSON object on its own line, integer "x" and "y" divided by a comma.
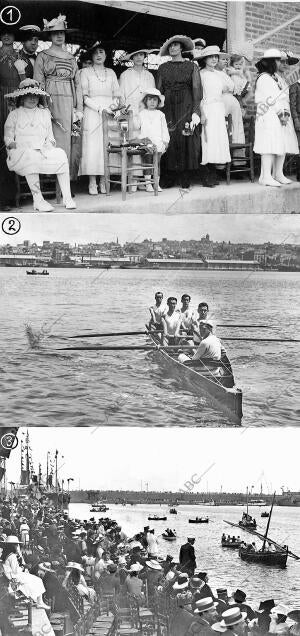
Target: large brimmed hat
{"x": 267, "y": 605}
{"x": 153, "y": 565}
{"x": 45, "y": 567}
{"x": 154, "y": 92}
{"x": 74, "y": 566}
{"x": 12, "y": 540}
{"x": 205, "y": 604}
{"x": 230, "y": 617}
{"x": 182, "y": 582}
{"x": 206, "y": 52}
{"x": 187, "y": 44}
{"x": 128, "y": 56}
{"x": 57, "y": 24}
{"x": 239, "y": 596}
{"x": 272, "y": 54}
{"x": 280, "y": 609}
{"x": 199, "y": 41}
{"x": 27, "y": 87}
{"x": 29, "y": 31}
{"x": 135, "y": 567}
{"x": 196, "y": 582}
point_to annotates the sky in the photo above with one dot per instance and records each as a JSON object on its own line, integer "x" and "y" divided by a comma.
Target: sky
{"x": 166, "y": 459}
{"x": 84, "y": 228}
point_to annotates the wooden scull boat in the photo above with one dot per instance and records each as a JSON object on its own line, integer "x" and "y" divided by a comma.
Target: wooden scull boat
{"x": 222, "y": 390}
{"x": 199, "y": 520}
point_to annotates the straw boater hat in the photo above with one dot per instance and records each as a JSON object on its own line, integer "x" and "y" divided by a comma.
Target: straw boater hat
{"x": 182, "y": 582}
{"x": 57, "y": 24}
{"x": 29, "y": 31}
{"x": 271, "y": 54}
{"x": 199, "y": 41}
{"x": 12, "y": 540}
{"x": 27, "y": 87}
{"x": 153, "y": 565}
{"x": 187, "y": 44}
{"x": 128, "y": 56}
{"x": 74, "y": 566}
{"x": 135, "y": 567}
{"x": 230, "y": 617}
{"x": 45, "y": 567}
{"x": 204, "y": 605}
{"x": 206, "y": 52}
{"x": 154, "y": 92}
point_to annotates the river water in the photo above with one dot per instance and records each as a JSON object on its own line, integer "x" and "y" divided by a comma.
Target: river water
{"x": 44, "y": 387}
{"x": 224, "y": 567}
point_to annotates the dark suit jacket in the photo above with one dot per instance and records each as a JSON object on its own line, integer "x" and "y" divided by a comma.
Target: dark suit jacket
{"x": 187, "y": 556}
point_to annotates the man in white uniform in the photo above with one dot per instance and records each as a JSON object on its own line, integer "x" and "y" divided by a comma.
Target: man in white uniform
{"x": 171, "y": 322}
{"x": 157, "y": 311}
{"x": 210, "y": 348}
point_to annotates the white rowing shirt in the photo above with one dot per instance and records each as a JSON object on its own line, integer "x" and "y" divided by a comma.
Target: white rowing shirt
{"x": 172, "y": 322}
{"x": 158, "y": 312}
{"x": 187, "y": 319}
{"x": 209, "y": 347}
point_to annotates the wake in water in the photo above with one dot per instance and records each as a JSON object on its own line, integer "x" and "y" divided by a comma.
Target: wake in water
{"x": 34, "y": 337}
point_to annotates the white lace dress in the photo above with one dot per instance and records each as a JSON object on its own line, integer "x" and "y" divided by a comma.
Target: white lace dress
{"x": 215, "y": 144}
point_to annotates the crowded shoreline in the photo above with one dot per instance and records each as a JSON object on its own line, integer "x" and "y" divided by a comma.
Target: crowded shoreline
{"x": 94, "y": 561}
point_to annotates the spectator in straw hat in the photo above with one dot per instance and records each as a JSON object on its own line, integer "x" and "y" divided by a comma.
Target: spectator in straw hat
{"x": 273, "y": 135}
{"x": 20, "y": 580}
{"x": 29, "y": 36}
{"x": 179, "y": 81}
{"x": 233, "y": 621}
{"x": 30, "y": 144}
{"x": 57, "y": 73}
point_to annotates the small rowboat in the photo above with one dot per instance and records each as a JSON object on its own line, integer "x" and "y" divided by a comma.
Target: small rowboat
{"x": 265, "y": 515}
{"x": 169, "y": 537}
{"x": 35, "y": 273}
{"x": 199, "y": 520}
{"x": 156, "y": 518}
{"x": 173, "y": 511}
{"x": 234, "y": 545}
{"x": 222, "y": 390}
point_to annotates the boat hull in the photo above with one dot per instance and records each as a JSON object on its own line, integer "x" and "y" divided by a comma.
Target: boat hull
{"x": 198, "y": 520}
{"x": 168, "y": 538}
{"x": 157, "y": 518}
{"x": 228, "y": 400}
{"x": 278, "y": 559}
{"x": 232, "y": 546}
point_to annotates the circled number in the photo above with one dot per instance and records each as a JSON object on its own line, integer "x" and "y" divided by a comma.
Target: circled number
{"x": 11, "y": 225}
{"x": 10, "y": 15}
{"x": 9, "y": 441}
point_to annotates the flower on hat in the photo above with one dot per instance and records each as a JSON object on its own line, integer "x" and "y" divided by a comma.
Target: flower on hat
{"x": 61, "y": 19}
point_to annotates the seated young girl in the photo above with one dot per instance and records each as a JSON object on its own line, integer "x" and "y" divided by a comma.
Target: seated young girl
{"x": 30, "y": 144}
{"x": 153, "y": 126}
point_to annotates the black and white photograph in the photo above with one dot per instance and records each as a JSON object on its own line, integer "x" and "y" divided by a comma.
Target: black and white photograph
{"x": 203, "y": 541}
{"x": 156, "y": 106}
{"x": 183, "y": 323}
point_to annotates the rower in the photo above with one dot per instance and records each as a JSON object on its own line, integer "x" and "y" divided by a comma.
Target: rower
{"x": 156, "y": 312}
{"x": 203, "y": 311}
{"x": 209, "y": 350}
{"x": 187, "y": 315}
{"x": 171, "y": 322}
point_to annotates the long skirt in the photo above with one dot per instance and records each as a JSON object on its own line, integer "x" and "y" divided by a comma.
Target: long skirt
{"x": 31, "y": 586}
{"x": 215, "y": 143}
{"x": 272, "y": 138}
{"x": 27, "y": 161}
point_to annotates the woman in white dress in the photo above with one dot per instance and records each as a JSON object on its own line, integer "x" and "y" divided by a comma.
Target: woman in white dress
{"x": 133, "y": 84}
{"x": 274, "y": 133}
{"x": 99, "y": 87}
{"x": 19, "y": 579}
{"x": 30, "y": 144}
{"x": 215, "y": 143}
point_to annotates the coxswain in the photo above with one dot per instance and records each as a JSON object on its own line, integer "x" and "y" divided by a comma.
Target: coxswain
{"x": 171, "y": 322}
{"x": 209, "y": 349}
{"x": 156, "y": 312}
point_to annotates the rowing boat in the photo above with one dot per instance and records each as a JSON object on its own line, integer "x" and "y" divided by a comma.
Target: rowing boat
{"x": 222, "y": 390}
{"x": 234, "y": 545}
{"x": 199, "y": 520}
{"x": 279, "y": 557}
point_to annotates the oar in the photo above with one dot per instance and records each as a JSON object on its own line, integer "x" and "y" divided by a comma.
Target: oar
{"x": 112, "y": 333}
{"x": 262, "y": 339}
{"x": 248, "y": 326}
{"x": 125, "y": 348}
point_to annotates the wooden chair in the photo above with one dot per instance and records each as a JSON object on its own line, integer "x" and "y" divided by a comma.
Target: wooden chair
{"x": 242, "y": 163}
{"x": 125, "y": 152}
{"x": 49, "y": 186}
{"x": 127, "y": 622}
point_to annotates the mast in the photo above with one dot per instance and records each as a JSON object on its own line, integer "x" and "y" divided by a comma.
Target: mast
{"x": 247, "y": 492}
{"x": 268, "y": 524}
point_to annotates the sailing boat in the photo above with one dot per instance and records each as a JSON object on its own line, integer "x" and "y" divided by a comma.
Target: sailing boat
{"x": 247, "y": 521}
{"x": 278, "y": 556}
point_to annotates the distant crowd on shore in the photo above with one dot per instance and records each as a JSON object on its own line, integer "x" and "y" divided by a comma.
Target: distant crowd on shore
{"x": 54, "y": 560}
{"x": 51, "y": 106}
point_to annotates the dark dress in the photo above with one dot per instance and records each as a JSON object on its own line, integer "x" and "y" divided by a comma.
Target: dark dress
{"x": 9, "y": 81}
{"x": 180, "y": 83}
{"x": 187, "y": 559}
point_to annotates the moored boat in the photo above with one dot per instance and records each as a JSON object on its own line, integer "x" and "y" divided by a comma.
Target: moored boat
{"x": 99, "y": 508}
{"x": 222, "y": 390}
{"x": 199, "y": 520}
{"x": 156, "y": 518}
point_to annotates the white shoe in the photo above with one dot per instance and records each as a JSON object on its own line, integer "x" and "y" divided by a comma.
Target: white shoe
{"x": 282, "y": 179}
{"x": 133, "y": 188}
{"x": 159, "y": 189}
{"x": 43, "y": 606}
{"x": 269, "y": 182}
{"x": 70, "y": 204}
{"x": 41, "y": 205}
{"x": 149, "y": 187}
{"x": 102, "y": 188}
{"x": 93, "y": 189}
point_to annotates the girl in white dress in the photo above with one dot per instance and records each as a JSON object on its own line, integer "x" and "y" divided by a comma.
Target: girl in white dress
{"x": 215, "y": 143}
{"x": 153, "y": 126}
{"x": 19, "y": 579}
{"x": 99, "y": 87}
{"x": 30, "y": 144}
{"x": 133, "y": 83}
{"x": 273, "y": 132}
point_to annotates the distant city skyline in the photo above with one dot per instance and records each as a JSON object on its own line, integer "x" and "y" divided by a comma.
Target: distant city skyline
{"x": 98, "y": 228}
